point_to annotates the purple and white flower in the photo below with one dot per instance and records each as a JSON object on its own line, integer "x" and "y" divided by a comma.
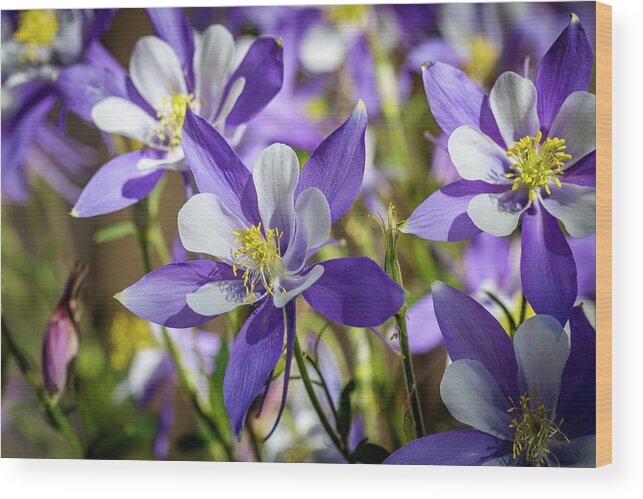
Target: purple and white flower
{"x": 262, "y": 227}
{"x": 526, "y": 151}
{"x": 530, "y": 399}
{"x": 176, "y": 70}
{"x": 36, "y": 46}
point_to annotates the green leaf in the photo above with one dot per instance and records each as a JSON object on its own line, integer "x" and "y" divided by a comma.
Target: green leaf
{"x": 114, "y": 232}
{"x": 344, "y": 413}
{"x": 368, "y": 453}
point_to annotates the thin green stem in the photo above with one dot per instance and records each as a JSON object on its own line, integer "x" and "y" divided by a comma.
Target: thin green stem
{"x": 322, "y": 383}
{"x": 523, "y": 308}
{"x": 505, "y": 310}
{"x": 55, "y": 416}
{"x": 308, "y": 385}
{"x": 254, "y": 442}
{"x": 390, "y": 230}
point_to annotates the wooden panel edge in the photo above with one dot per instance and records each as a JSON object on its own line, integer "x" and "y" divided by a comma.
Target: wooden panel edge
{"x": 603, "y": 234}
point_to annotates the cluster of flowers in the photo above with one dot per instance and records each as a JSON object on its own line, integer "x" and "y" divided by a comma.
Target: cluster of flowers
{"x": 521, "y": 155}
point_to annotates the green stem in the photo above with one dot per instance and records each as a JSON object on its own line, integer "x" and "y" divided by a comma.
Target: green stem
{"x": 308, "y": 385}
{"x": 55, "y": 416}
{"x": 254, "y": 442}
{"x": 392, "y": 268}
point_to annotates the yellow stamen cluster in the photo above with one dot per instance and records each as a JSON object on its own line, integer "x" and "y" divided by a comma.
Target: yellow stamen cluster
{"x": 259, "y": 256}
{"x": 537, "y": 164}
{"x": 171, "y": 116}
{"x": 37, "y": 29}
{"x": 534, "y": 425}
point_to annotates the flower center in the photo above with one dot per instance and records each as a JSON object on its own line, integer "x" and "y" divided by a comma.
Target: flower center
{"x": 535, "y": 425}
{"x": 537, "y": 164}
{"x": 171, "y": 116}
{"x": 259, "y": 256}
{"x": 37, "y": 29}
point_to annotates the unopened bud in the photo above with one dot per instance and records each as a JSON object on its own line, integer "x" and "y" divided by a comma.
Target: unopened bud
{"x": 61, "y": 343}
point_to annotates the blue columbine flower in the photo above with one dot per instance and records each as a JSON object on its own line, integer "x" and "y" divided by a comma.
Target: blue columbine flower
{"x": 524, "y": 151}
{"x": 170, "y": 73}
{"x": 36, "y": 46}
{"x": 531, "y": 401}
{"x": 262, "y": 227}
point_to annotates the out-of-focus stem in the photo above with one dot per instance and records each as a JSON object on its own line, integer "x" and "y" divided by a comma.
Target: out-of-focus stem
{"x": 310, "y": 390}
{"x": 55, "y": 416}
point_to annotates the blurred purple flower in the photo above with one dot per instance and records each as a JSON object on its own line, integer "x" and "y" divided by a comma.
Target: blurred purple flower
{"x": 152, "y": 375}
{"x": 36, "y": 46}
{"x": 551, "y": 141}
{"x": 60, "y": 347}
{"x": 263, "y": 226}
{"x": 530, "y": 400}
{"x": 176, "y": 70}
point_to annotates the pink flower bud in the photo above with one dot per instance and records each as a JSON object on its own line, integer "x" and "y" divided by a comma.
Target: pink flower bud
{"x": 61, "y": 336}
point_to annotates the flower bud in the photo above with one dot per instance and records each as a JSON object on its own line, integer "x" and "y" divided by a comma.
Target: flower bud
{"x": 61, "y": 343}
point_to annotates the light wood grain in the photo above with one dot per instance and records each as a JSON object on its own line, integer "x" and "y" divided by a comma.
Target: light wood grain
{"x": 603, "y": 234}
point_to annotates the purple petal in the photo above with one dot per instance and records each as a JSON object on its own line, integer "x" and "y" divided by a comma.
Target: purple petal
{"x": 171, "y": 25}
{"x": 18, "y": 136}
{"x": 487, "y": 261}
{"x": 455, "y": 100}
{"x": 423, "y": 329}
{"x": 577, "y": 402}
{"x": 263, "y": 70}
{"x": 583, "y": 172}
{"x": 355, "y": 292}
{"x": 97, "y": 55}
{"x": 584, "y": 251}
{"x": 565, "y": 68}
{"x": 216, "y": 167}
{"x": 336, "y": 167}
{"x": 159, "y": 296}
{"x": 117, "y": 184}
{"x": 471, "y": 332}
{"x": 451, "y": 448}
{"x": 82, "y": 86}
{"x": 443, "y": 215}
{"x": 547, "y": 267}
{"x": 254, "y": 355}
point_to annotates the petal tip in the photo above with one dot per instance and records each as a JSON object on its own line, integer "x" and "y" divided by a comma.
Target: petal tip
{"x": 74, "y": 213}
{"x": 279, "y": 41}
{"x": 428, "y": 64}
{"x": 574, "y": 18}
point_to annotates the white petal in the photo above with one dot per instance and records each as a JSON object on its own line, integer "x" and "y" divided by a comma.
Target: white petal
{"x": 123, "y": 117}
{"x": 296, "y": 285}
{"x": 498, "y": 214}
{"x": 474, "y": 398}
{"x": 323, "y": 49}
{"x": 576, "y": 123}
{"x": 156, "y": 71}
{"x": 173, "y": 160}
{"x": 542, "y": 347}
{"x": 513, "y": 102}
{"x": 207, "y": 226}
{"x": 213, "y": 57}
{"x": 579, "y": 453}
{"x": 313, "y": 227}
{"x": 313, "y": 216}
{"x": 275, "y": 175}
{"x": 477, "y": 157}
{"x": 217, "y": 297}
{"x": 575, "y": 206}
